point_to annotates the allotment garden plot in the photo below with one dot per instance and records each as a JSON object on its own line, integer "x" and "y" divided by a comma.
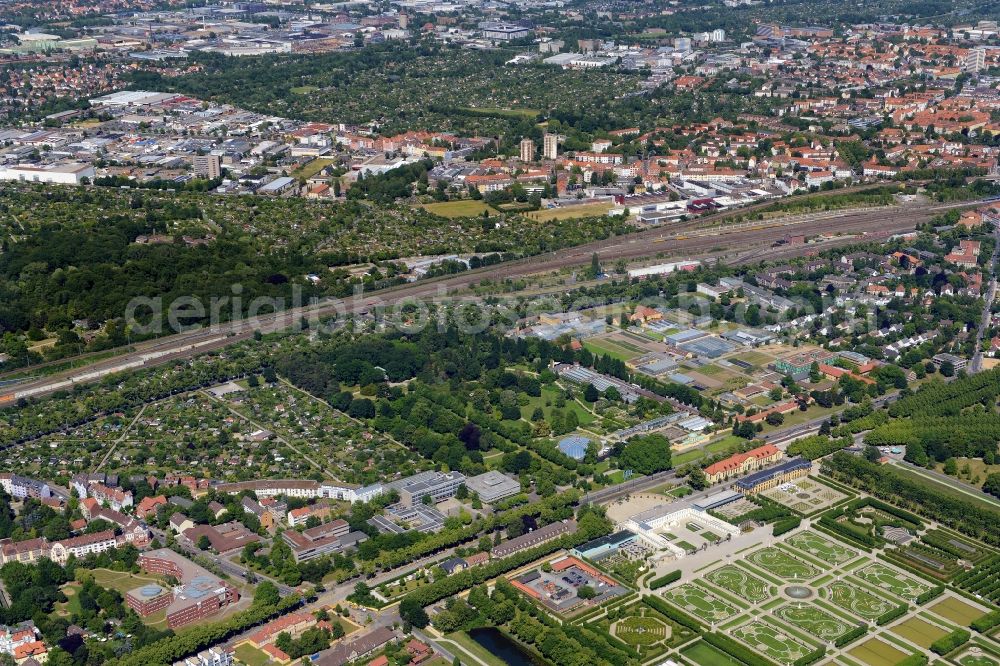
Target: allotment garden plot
{"x": 697, "y": 601}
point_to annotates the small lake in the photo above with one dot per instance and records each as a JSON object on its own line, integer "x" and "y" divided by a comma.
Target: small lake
{"x": 504, "y": 649}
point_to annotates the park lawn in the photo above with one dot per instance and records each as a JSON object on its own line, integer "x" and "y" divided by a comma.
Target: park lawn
{"x": 687, "y": 457}
{"x": 571, "y": 212}
{"x": 460, "y": 208}
{"x": 877, "y": 653}
{"x": 471, "y": 647}
{"x": 978, "y": 470}
{"x": 122, "y": 581}
{"x": 251, "y": 656}
{"x": 703, "y": 654}
{"x": 601, "y": 347}
{"x": 957, "y": 611}
{"x": 980, "y": 500}
{"x": 919, "y": 632}
{"x": 303, "y": 90}
{"x": 310, "y": 169}
{"x": 726, "y": 444}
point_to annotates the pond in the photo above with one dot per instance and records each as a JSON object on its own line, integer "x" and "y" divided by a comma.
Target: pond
{"x": 503, "y": 648}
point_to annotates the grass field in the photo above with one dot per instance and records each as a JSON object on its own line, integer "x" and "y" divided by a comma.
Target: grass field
{"x": 782, "y": 565}
{"x": 462, "y": 208}
{"x": 310, "y": 169}
{"x": 304, "y": 90}
{"x": 858, "y": 601}
{"x": 956, "y": 610}
{"x": 919, "y": 632}
{"x": 570, "y": 212}
{"x": 602, "y": 346}
{"x": 769, "y": 640}
{"x": 495, "y": 111}
{"x": 471, "y": 647}
{"x": 885, "y": 578}
{"x": 701, "y": 603}
{"x": 821, "y": 548}
{"x": 877, "y": 653}
{"x": 978, "y": 470}
{"x": 739, "y": 582}
{"x": 971, "y": 495}
{"x": 251, "y": 656}
{"x": 703, "y": 654}
{"x": 813, "y": 620}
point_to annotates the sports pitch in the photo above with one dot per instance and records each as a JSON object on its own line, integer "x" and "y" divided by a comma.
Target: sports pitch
{"x": 858, "y": 601}
{"x": 821, "y": 548}
{"x": 740, "y": 582}
{"x": 781, "y": 564}
{"x": 813, "y": 620}
{"x": 701, "y": 603}
{"x": 885, "y": 578}
{"x": 768, "y": 639}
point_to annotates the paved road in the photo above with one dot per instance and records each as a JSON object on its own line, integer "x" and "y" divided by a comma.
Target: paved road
{"x": 977, "y": 358}
{"x": 690, "y": 240}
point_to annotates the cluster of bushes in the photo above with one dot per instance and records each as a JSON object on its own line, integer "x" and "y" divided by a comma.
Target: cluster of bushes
{"x": 889, "y": 616}
{"x": 970, "y": 518}
{"x": 817, "y": 446}
{"x": 851, "y": 636}
{"x": 664, "y": 580}
{"x": 669, "y": 611}
{"x": 913, "y": 660}
{"x": 951, "y": 641}
{"x": 830, "y": 523}
{"x": 786, "y": 525}
{"x": 986, "y": 622}
{"x": 737, "y": 650}
{"x": 810, "y": 658}
{"x": 932, "y": 593}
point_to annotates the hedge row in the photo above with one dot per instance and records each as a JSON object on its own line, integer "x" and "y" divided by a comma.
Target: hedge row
{"x": 445, "y": 587}
{"x": 677, "y": 616}
{"x": 851, "y": 636}
{"x": 737, "y": 650}
{"x": 932, "y": 593}
{"x": 829, "y": 522}
{"x": 952, "y": 641}
{"x": 664, "y": 580}
{"x": 810, "y": 658}
{"x": 174, "y": 648}
{"x": 912, "y": 660}
{"x": 887, "y": 617}
{"x": 786, "y": 525}
{"x": 986, "y": 622}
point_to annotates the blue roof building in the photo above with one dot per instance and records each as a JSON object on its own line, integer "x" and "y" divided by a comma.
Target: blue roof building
{"x": 575, "y": 447}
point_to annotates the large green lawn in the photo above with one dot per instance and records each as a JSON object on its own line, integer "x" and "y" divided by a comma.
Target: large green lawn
{"x": 460, "y": 208}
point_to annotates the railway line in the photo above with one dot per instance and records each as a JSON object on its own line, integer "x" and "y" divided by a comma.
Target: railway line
{"x": 690, "y": 240}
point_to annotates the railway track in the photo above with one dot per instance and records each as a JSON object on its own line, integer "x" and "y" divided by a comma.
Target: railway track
{"x": 690, "y": 240}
